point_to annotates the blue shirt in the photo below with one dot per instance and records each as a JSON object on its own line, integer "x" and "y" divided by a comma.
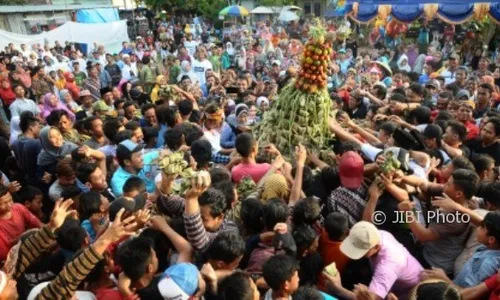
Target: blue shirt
{"x": 483, "y": 263}
{"x": 227, "y": 137}
{"x": 105, "y": 79}
{"x": 423, "y": 79}
{"x": 147, "y": 174}
{"x": 90, "y": 230}
{"x": 160, "y": 140}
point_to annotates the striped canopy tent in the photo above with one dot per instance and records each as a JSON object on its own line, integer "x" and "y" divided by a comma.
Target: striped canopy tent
{"x": 407, "y": 11}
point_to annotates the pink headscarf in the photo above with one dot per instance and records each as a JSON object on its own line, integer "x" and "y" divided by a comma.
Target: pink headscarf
{"x": 48, "y": 108}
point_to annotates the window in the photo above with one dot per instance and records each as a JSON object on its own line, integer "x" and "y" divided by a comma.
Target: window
{"x": 317, "y": 9}
{"x": 307, "y": 8}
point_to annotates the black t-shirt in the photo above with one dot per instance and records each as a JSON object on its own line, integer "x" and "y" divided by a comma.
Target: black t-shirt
{"x": 493, "y": 150}
{"x": 151, "y": 292}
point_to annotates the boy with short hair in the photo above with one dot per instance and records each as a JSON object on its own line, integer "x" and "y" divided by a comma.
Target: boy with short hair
{"x": 336, "y": 230}
{"x": 486, "y": 259}
{"x": 281, "y": 273}
{"x": 32, "y": 197}
{"x": 247, "y": 147}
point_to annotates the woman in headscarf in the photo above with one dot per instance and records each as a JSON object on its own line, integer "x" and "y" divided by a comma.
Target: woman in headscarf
{"x": 235, "y": 124}
{"x": 274, "y": 186}
{"x": 54, "y": 148}
{"x": 227, "y": 56}
{"x": 160, "y": 81}
{"x": 419, "y": 64}
{"x": 403, "y": 63}
{"x": 262, "y": 106}
{"x": 6, "y": 93}
{"x": 51, "y": 103}
{"x": 67, "y": 99}
{"x": 240, "y": 59}
{"x": 187, "y": 71}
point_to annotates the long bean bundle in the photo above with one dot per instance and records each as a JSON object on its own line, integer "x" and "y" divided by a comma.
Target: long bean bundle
{"x": 300, "y": 113}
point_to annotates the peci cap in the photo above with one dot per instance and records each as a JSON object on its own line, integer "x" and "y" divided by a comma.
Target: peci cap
{"x": 179, "y": 282}
{"x": 362, "y": 237}
{"x": 351, "y": 169}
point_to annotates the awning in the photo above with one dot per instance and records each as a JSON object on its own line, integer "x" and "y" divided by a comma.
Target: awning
{"x": 365, "y": 12}
{"x": 266, "y": 10}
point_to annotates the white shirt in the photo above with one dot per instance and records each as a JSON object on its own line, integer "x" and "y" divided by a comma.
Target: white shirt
{"x": 200, "y": 68}
{"x": 213, "y": 136}
{"x": 191, "y": 46}
{"x": 449, "y": 76}
{"x": 129, "y": 72}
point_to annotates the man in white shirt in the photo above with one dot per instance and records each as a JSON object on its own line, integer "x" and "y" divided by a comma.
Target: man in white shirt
{"x": 201, "y": 65}
{"x": 449, "y": 73}
{"x": 190, "y": 44}
{"x": 129, "y": 70}
{"x": 22, "y": 104}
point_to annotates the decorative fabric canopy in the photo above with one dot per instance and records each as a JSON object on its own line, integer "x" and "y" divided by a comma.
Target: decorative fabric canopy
{"x": 407, "y": 11}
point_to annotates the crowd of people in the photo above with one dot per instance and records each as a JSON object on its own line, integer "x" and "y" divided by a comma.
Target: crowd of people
{"x": 403, "y": 205}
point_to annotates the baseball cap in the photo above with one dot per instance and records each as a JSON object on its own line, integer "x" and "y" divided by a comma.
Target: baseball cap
{"x": 276, "y": 62}
{"x": 362, "y": 237}
{"x": 179, "y": 282}
{"x": 126, "y": 148}
{"x": 462, "y": 94}
{"x": 351, "y": 169}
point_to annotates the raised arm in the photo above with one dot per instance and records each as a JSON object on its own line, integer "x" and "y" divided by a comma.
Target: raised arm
{"x": 181, "y": 245}
{"x": 300, "y": 157}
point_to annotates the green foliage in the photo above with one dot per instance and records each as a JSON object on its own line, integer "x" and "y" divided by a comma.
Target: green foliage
{"x": 12, "y": 2}
{"x": 210, "y": 8}
{"x": 207, "y": 8}
{"x": 276, "y": 2}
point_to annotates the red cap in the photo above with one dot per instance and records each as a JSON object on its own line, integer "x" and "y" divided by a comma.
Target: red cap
{"x": 351, "y": 169}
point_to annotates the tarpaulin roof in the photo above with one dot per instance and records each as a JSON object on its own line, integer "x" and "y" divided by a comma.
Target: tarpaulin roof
{"x": 366, "y": 11}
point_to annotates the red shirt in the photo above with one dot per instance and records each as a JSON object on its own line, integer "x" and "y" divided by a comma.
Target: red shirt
{"x": 11, "y": 229}
{"x": 493, "y": 285}
{"x": 472, "y": 130}
{"x": 256, "y": 171}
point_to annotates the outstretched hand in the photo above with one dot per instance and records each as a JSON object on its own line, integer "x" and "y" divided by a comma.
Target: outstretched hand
{"x": 120, "y": 228}
{"x": 60, "y": 213}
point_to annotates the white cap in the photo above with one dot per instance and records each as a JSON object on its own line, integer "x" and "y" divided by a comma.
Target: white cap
{"x": 362, "y": 237}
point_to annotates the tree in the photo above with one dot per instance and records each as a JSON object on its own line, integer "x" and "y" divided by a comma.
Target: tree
{"x": 210, "y": 8}
{"x": 276, "y": 2}
{"x": 12, "y": 2}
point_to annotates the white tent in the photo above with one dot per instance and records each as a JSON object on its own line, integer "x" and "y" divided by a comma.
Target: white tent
{"x": 110, "y": 35}
{"x": 287, "y": 16}
{"x": 266, "y": 10}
